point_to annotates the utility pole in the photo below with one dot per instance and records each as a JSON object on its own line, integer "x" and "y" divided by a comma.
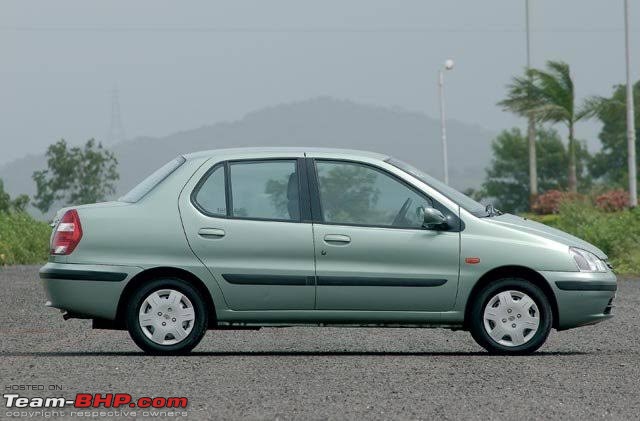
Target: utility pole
{"x": 631, "y": 130}
{"x": 448, "y": 65}
{"x": 531, "y": 126}
{"x": 116, "y": 129}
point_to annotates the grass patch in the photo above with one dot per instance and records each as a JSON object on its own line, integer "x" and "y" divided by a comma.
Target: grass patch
{"x": 23, "y": 240}
{"x": 615, "y": 233}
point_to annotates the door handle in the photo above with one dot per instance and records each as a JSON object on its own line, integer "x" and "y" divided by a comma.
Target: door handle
{"x": 211, "y": 232}
{"x": 337, "y": 239}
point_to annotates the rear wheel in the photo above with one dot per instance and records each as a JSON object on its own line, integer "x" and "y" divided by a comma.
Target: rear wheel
{"x": 511, "y": 316}
{"x": 167, "y": 316}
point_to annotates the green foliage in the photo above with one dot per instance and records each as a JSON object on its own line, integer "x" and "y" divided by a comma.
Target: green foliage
{"x": 610, "y": 164}
{"x": 508, "y": 174}
{"x": 549, "y": 96}
{"x": 23, "y": 240}
{"x": 5, "y": 199}
{"x": 19, "y": 204}
{"x": 617, "y": 234}
{"x": 75, "y": 175}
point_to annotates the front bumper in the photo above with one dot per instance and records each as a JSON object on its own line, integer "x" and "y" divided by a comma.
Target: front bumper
{"x": 88, "y": 291}
{"x": 582, "y": 298}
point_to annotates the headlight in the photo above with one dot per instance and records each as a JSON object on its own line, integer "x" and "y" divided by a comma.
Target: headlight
{"x": 587, "y": 261}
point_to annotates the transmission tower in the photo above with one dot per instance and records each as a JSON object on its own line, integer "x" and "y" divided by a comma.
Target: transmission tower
{"x": 116, "y": 130}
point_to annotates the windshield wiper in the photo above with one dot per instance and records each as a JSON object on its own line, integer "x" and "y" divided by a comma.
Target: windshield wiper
{"x": 492, "y": 211}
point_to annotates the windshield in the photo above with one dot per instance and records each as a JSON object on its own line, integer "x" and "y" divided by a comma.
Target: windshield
{"x": 463, "y": 200}
{"x": 148, "y": 184}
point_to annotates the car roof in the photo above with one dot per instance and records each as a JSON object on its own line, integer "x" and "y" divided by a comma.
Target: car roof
{"x": 257, "y": 151}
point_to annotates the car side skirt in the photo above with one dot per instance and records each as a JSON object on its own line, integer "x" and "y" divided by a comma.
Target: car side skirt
{"x": 341, "y": 318}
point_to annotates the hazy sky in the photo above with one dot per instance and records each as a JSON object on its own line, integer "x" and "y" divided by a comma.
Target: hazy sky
{"x": 181, "y": 65}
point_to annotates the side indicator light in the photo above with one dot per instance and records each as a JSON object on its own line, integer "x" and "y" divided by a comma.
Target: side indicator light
{"x": 472, "y": 260}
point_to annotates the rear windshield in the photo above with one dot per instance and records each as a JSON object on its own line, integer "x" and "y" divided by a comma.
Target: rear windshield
{"x": 149, "y": 183}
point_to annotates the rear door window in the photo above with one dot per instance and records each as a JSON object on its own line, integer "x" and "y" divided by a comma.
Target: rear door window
{"x": 265, "y": 190}
{"x": 210, "y": 196}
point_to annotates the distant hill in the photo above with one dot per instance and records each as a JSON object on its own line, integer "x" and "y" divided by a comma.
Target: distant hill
{"x": 407, "y": 135}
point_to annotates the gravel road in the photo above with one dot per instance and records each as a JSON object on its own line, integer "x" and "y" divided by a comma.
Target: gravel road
{"x": 329, "y": 373}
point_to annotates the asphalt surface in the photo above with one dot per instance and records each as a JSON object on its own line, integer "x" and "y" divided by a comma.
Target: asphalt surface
{"x": 328, "y": 373}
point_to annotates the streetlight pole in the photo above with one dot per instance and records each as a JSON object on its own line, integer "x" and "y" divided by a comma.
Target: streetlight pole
{"x": 448, "y": 65}
{"x": 531, "y": 127}
{"x": 631, "y": 130}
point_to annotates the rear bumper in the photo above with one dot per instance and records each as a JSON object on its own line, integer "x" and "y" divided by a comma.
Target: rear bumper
{"x": 89, "y": 291}
{"x": 583, "y": 298}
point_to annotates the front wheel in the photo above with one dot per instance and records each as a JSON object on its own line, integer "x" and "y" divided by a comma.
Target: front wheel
{"x": 167, "y": 316}
{"x": 511, "y": 316}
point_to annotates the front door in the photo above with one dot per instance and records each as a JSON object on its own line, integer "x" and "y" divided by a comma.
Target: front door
{"x": 244, "y": 221}
{"x": 371, "y": 251}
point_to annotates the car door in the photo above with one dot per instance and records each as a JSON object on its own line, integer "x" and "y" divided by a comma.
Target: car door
{"x": 246, "y": 222}
{"x": 371, "y": 250}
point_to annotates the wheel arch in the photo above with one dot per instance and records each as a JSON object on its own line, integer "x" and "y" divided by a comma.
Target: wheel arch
{"x": 159, "y": 272}
{"x": 513, "y": 271}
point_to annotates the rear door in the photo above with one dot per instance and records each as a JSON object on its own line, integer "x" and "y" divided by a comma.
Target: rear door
{"x": 249, "y": 223}
{"x": 371, "y": 251}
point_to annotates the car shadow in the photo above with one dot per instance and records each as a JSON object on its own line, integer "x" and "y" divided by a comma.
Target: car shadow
{"x": 284, "y": 354}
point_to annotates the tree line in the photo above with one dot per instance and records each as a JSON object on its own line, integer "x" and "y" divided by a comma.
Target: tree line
{"x": 88, "y": 173}
{"x": 74, "y": 175}
{"x": 548, "y": 95}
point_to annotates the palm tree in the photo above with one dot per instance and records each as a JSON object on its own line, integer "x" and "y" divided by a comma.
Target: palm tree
{"x": 519, "y": 104}
{"x": 549, "y": 95}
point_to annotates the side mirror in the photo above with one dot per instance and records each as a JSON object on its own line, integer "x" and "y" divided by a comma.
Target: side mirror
{"x": 433, "y": 219}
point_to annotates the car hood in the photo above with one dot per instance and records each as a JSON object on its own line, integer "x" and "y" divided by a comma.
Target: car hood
{"x": 536, "y": 228}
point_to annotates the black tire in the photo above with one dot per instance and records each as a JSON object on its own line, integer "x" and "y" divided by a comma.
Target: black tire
{"x": 476, "y": 316}
{"x": 200, "y": 321}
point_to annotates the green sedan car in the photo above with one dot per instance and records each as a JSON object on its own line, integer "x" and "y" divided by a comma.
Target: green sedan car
{"x": 245, "y": 238}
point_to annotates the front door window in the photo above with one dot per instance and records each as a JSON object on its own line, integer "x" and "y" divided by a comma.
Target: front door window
{"x": 356, "y": 194}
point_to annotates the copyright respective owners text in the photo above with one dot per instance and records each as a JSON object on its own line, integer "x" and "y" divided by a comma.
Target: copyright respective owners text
{"x": 51, "y": 401}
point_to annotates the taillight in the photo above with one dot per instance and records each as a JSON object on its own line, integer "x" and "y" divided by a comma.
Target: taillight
{"x": 68, "y": 233}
